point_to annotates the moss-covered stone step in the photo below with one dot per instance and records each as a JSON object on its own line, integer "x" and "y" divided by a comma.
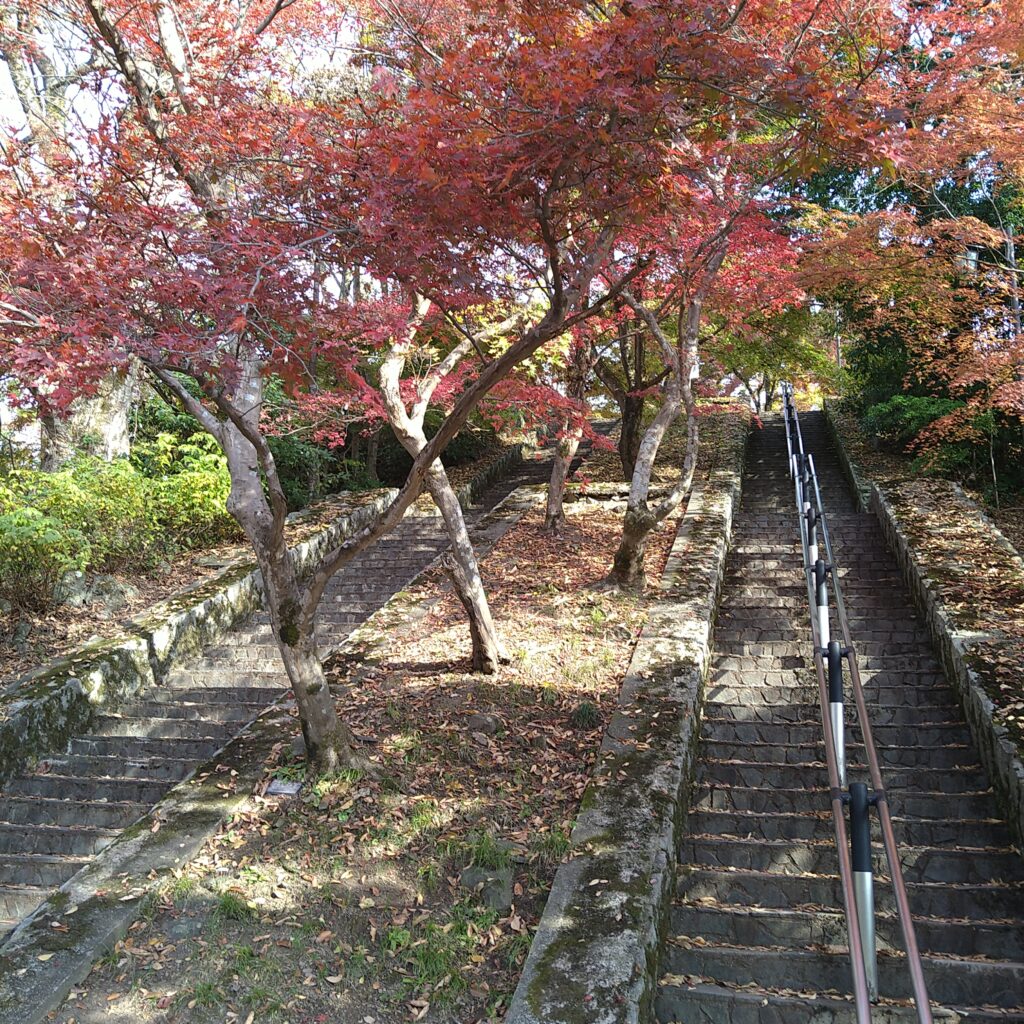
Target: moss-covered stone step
{"x": 920, "y": 863}
{"x": 950, "y": 981}
{"x": 755, "y": 925}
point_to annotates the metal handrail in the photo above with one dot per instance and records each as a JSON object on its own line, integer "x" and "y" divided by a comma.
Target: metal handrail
{"x": 854, "y": 868}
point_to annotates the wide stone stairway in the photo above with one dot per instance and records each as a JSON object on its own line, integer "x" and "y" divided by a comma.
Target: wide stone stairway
{"x": 757, "y": 932}
{"x": 56, "y": 817}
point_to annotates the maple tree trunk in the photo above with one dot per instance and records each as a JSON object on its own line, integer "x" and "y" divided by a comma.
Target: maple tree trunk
{"x": 328, "y": 740}
{"x": 565, "y": 452}
{"x": 632, "y": 409}
{"x": 464, "y": 571}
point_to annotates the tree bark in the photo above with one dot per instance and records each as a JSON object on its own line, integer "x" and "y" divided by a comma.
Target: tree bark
{"x": 261, "y": 514}
{"x": 565, "y": 452}
{"x": 462, "y": 564}
{"x": 632, "y": 411}
{"x": 98, "y": 425}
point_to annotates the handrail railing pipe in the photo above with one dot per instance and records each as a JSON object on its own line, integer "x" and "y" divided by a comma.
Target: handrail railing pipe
{"x": 854, "y": 854}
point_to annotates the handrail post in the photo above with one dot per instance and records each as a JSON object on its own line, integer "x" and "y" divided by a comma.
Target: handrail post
{"x": 863, "y": 881}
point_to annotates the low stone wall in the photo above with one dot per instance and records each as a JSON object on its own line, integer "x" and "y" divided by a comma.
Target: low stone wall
{"x": 970, "y": 656}
{"x": 594, "y": 957}
{"x": 43, "y": 710}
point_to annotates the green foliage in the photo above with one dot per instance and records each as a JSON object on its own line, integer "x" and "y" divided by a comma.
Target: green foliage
{"x": 35, "y": 552}
{"x": 190, "y": 488}
{"x": 899, "y": 420}
{"x": 111, "y": 503}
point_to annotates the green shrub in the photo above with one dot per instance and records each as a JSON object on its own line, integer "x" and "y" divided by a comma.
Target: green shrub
{"x": 900, "y": 419}
{"x": 190, "y": 483}
{"x": 36, "y": 550}
{"x": 111, "y": 503}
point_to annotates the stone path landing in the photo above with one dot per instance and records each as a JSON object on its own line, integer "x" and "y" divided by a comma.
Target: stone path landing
{"x": 757, "y": 934}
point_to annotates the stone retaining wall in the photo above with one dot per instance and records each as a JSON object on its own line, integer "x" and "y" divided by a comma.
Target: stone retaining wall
{"x": 594, "y": 957}
{"x": 966, "y": 653}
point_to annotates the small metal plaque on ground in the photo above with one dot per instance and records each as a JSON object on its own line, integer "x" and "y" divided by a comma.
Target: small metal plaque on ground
{"x": 284, "y": 787}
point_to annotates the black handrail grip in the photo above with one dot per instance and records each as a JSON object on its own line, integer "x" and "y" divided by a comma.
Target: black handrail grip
{"x": 860, "y": 827}
{"x": 835, "y": 672}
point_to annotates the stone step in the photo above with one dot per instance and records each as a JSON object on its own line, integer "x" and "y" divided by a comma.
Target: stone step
{"x": 130, "y": 747}
{"x": 163, "y": 728}
{"x": 195, "y": 678}
{"x": 76, "y": 788}
{"x": 18, "y": 901}
{"x": 931, "y": 804}
{"x": 932, "y": 727}
{"x": 79, "y": 841}
{"x": 151, "y": 768}
{"x": 950, "y": 981}
{"x": 811, "y": 824}
{"x": 42, "y": 870}
{"x": 792, "y": 776}
{"x": 806, "y": 929}
{"x": 704, "y": 1002}
{"x": 919, "y": 863}
{"x": 745, "y": 694}
{"x": 930, "y": 757}
{"x": 223, "y": 714}
{"x": 234, "y": 697}
{"x": 20, "y": 812}
{"x": 988, "y": 901}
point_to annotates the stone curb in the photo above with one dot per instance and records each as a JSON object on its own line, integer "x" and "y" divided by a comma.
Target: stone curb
{"x": 999, "y": 753}
{"x": 594, "y": 957}
{"x": 43, "y": 710}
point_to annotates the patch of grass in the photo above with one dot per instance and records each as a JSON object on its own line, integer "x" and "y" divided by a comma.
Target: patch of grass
{"x": 585, "y": 716}
{"x": 232, "y": 907}
{"x": 246, "y": 959}
{"x": 485, "y": 851}
{"x": 552, "y": 847}
{"x": 205, "y": 994}
{"x": 182, "y": 888}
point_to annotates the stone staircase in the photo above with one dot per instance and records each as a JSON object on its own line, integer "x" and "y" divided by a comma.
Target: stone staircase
{"x": 54, "y": 818}
{"x": 757, "y": 934}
